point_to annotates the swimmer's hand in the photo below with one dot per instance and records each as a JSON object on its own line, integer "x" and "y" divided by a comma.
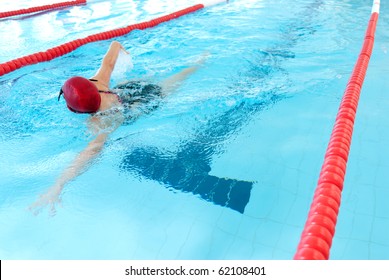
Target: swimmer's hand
{"x": 124, "y": 50}
{"x": 120, "y": 46}
{"x": 51, "y": 198}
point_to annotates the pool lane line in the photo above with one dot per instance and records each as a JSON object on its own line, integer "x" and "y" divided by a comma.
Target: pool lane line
{"x": 68, "y": 47}
{"x": 42, "y": 8}
{"x": 319, "y": 230}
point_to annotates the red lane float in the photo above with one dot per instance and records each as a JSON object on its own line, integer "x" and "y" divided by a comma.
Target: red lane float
{"x": 63, "y": 49}
{"x": 42, "y": 8}
{"x": 316, "y": 238}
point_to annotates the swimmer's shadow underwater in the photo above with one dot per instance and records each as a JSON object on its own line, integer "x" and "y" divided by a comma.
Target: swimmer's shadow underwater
{"x": 188, "y": 169}
{"x": 189, "y": 172}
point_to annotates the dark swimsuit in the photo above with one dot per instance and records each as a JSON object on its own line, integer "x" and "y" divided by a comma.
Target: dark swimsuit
{"x": 144, "y": 95}
{"x": 138, "y": 92}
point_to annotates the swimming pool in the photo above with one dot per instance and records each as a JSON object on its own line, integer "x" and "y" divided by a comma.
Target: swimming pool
{"x": 226, "y": 167}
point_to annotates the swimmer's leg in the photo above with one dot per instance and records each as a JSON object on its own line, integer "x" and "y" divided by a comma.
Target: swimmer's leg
{"x": 172, "y": 83}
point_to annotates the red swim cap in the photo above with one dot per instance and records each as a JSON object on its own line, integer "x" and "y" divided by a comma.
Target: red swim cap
{"x": 81, "y": 95}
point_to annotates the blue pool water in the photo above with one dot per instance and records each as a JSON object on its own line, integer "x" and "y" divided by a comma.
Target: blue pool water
{"x": 226, "y": 167}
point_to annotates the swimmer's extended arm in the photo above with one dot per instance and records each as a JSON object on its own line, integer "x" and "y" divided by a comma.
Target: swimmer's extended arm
{"x": 103, "y": 75}
{"x": 81, "y": 163}
{"x": 76, "y": 168}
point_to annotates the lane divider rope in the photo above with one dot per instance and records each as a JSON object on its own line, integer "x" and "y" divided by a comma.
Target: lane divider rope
{"x": 68, "y": 47}
{"x": 319, "y": 230}
{"x": 42, "y": 8}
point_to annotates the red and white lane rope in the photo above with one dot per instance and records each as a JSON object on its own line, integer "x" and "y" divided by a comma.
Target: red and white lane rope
{"x": 65, "y": 48}
{"x": 41, "y": 8}
{"x": 319, "y": 230}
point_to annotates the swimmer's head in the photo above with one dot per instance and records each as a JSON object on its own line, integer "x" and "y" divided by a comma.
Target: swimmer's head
{"x": 81, "y": 95}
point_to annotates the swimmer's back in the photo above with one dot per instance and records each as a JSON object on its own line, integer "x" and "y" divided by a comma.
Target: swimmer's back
{"x": 140, "y": 96}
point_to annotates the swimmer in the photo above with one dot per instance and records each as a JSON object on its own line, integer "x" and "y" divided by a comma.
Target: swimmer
{"x": 106, "y": 107}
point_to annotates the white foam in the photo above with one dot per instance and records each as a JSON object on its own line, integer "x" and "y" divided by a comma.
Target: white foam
{"x": 123, "y": 66}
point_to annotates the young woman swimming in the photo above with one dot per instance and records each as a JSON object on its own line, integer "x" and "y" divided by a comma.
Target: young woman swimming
{"x": 107, "y": 108}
